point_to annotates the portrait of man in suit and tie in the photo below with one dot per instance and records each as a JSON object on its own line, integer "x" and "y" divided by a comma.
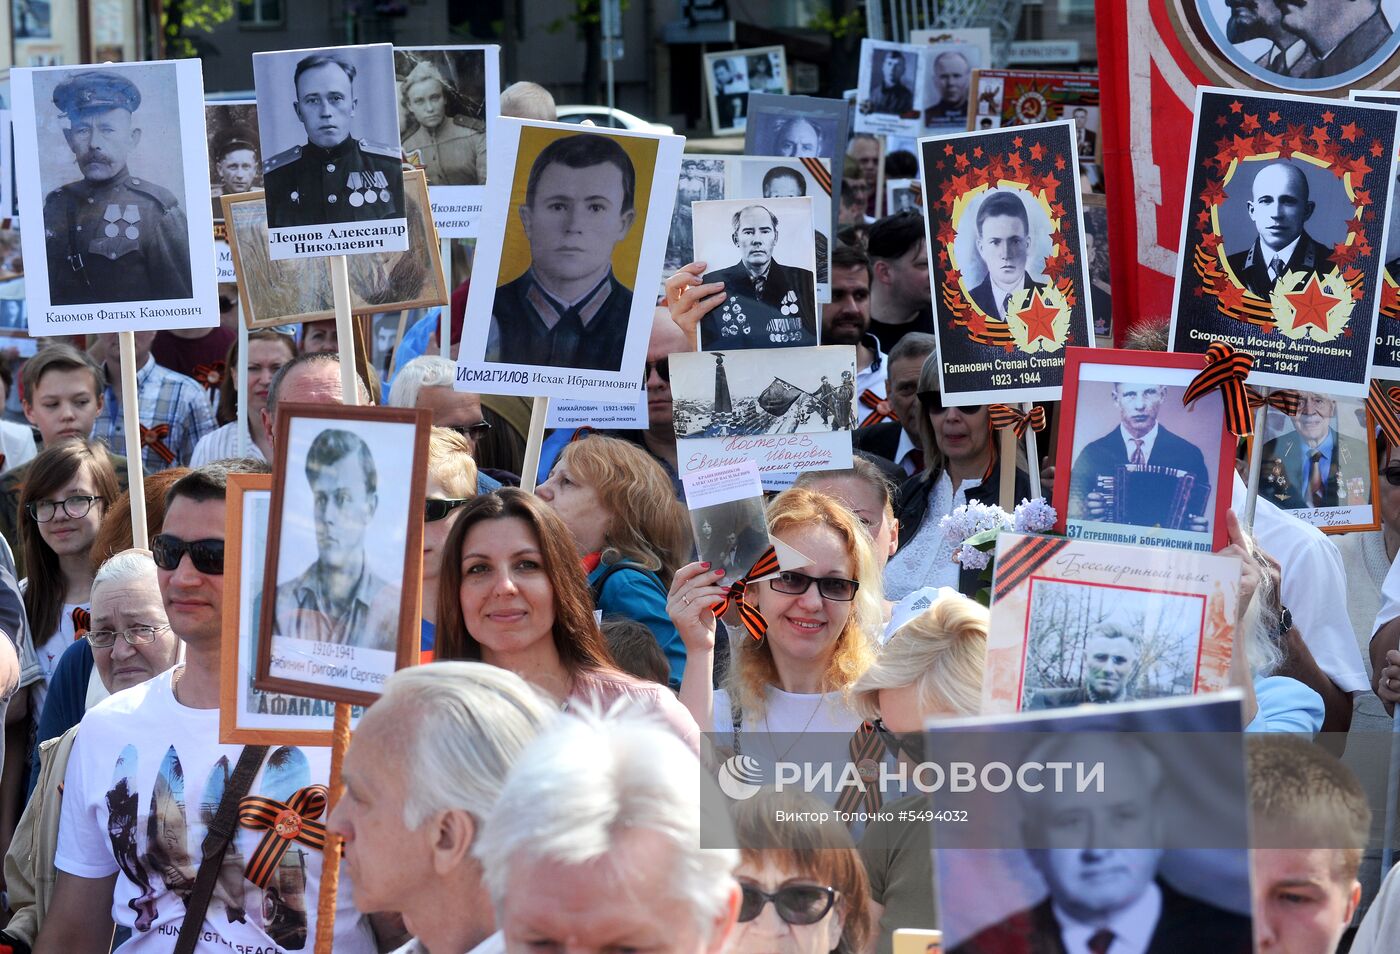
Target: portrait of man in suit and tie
{"x": 1003, "y": 242}
{"x": 1313, "y": 464}
{"x": 1280, "y": 206}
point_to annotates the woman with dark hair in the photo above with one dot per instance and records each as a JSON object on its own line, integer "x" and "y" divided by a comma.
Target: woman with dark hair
{"x": 512, "y": 593}
{"x": 268, "y": 350}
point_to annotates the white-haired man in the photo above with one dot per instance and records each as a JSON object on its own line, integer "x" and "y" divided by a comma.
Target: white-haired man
{"x": 594, "y": 844}
{"x": 426, "y": 381}
{"x": 454, "y": 729}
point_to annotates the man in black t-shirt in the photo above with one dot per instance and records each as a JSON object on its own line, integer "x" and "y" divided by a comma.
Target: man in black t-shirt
{"x": 900, "y": 299}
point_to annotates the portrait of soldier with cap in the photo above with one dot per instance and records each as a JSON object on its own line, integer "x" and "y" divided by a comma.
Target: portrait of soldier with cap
{"x": 111, "y": 236}
{"x": 233, "y": 152}
{"x": 334, "y": 176}
{"x": 443, "y": 131}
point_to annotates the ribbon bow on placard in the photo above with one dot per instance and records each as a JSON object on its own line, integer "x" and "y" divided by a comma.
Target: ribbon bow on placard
{"x": 879, "y": 408}
{"x": 284, "y": 822}
{"x": 1225, "y": 372}
{"x": 210, "y": 375}
{"x": 1282, "y": 399}
{"x": 1004, "y": 416}
{"x": 154, "y": 438}
{"x": 1381, "y": 405}
{"x": 751, "y": 618}
{"x": 82, "y": 623}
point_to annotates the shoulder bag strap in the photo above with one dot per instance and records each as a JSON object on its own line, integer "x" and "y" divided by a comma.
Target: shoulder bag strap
{"x": 221, "y": 831}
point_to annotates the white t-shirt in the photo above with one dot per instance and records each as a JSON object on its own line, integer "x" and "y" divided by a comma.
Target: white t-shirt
{"x": 49, "y": 651}
{"x": 792, "y": 712}
{"x": 144, "y": 780}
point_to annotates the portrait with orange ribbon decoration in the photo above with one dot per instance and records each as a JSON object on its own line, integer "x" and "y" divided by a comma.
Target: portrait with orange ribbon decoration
{"x": 1006, "y": 260}
{"x": 1283, "y": 235}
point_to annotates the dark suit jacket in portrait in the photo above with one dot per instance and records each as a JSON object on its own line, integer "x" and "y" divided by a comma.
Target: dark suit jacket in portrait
{"x": 1186, "y": 924}
{"x": 589, "y": 335}
{"x": 896, "y": 100}
{"x": 1061, "y": 698}
{"x": 1105, "y": 455}
{"x": 1349, "y": 459}
{"x": 1356, "y": 47}
{"x": 784, "y": 315}
{"x": 1251, "y": 266}
{"x": 984, "y": 295}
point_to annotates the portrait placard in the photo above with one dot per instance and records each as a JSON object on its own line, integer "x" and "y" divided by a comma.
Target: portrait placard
{"x": 760, "y": 250}
{"x": 727, "y": 519}
{"x": 978, "y": 37}
{"x": 731, "y": 75}
{"x": 948, "y": 78}
{"x": 893, "y": 88}
{"x": 329, "y": 123}
{"x": 248, "y": 715}
{"x": 899, "y": 196}
{"x": 1283, "y": 232}
{"x": 1006, "y": 261}
{"x": 343, "y": 573}
{"x": 788, "y": 409}
{"x": 1386, "y": 357}
{"x": 235, "y": 159}
{"x": 580, "y": 218}
{"x": 1320, "y": 463}
{"x": 116, "y": 158}
{"x": 1024, "y": 97}
{"x": 1075, "y": 622}
{"x": 1096, "y": 255}
{"x": 1142, "y": 468}
{"x": 275, "y": 293}
{"x": 702, "y": 179}
{"x": 801, "y": 127}
{"x": 449, "y": 97}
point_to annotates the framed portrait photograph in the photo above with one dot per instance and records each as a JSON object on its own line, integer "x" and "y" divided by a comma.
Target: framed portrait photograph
{"x": 731, "y": 75}
{"x": 277, "y": 292}
{"x": 980, "y": 38}
{"x": 1282, "y": 236}
{"x": 1142, "y": 467}
{"x": 1026, "y": 97}
{"x": 702, "y": 179}
{"x": 248, "y": 715}
{"x": 569, "y": 230}
{"x": 1006, "y": 260}
{"x": 948, "y": 84}
{"x": 752, "y": 177}
{"x": 115, "y": 157}
{"x": 343, "y": 575}
{"x": 786, "y": 409}
{"x": 449, "y": 96}
{"x": 892, "y": 89}
{"x": 800, "y": 127}
{"x": 727, "y": 517}
{"x": 235, "y": 160}
{"x": 1320, "y": 463}
{"x": 329, "y": 123}
{"x": 760, "y": 250}
{"x": 1096, "y": 258}
{"x": 1385, "y": 361}
{"x": 899, "y": 196}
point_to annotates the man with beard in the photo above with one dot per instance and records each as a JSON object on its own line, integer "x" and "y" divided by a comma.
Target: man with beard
{"x": 1263, "y": 19}
{"x": 952, "y": 74}
{"x": 1311, "y": 466}
{"x": 110, "y": 236}
{"x": 768, "y": 303}
{"x": 1111, "y": 654}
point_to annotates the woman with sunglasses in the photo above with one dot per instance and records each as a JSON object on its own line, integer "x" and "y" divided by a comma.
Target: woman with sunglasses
{"x": 804, "y": 886}
{"x": 960, "y": 466}
{"x": 451, "y": 483}
{"x": 630, "y": 531}
{"x": 513, "y": 594}
{"x": 822, "y": 623}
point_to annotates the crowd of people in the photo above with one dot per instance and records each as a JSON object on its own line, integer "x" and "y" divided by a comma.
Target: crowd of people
{"x": 541, "y": 781}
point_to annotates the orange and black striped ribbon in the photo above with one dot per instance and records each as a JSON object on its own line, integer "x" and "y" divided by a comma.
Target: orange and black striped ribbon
{"x": 284, "y": 823}
{"x": 1016, "y": 565}
{"x": 1225, "y": 372}
{"x": 748, "y": 614}
{"x": 154, "y": 438}
{"x": 1381, "y": 405}
{"x": 210, "y": 375}
{"x": 819, "y": 172}
{"x": 877, "y": 407}
{"x": 1283, "y": 399}
{"x": 1004, "y": 416}
{"x": 82, "y": 622}
{"x": 867, "y": 749}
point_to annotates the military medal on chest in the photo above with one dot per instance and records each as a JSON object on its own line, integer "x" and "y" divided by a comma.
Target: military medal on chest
{"x": 367, "y": 187}
{"x": 733, "y": 321}
{"x": 122, "y": 221}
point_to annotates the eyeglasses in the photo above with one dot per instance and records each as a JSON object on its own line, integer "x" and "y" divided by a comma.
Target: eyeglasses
{"x": 207, "y": 555}
{"x": 473, "y": 432}
{"x": 792, "y": 583}
{"x": 933, "y": 403}
{"x": 1392, "y": 476}
{"x": 436, "y": 508}
{"x": 911, "y": 745}
{"x": 76, "y": 506}
{"x": 662, "y": 368}
{"x": 135, "y": 636}
{"x": 795, "y": 903}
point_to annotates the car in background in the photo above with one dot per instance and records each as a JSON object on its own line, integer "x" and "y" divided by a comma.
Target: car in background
{"x": 620, "y": 119}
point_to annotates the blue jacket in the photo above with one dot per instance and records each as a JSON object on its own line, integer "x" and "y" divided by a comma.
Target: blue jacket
{"x": 634, "y": 593}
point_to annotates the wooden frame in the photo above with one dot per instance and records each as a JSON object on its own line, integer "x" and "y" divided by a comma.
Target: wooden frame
{"x": 308, "y": 281}
{"x": 1177, "y": 372}
{"x": 391, "y": 615}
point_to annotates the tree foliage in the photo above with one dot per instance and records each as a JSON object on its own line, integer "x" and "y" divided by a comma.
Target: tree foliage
{"x": 183, "y": 20}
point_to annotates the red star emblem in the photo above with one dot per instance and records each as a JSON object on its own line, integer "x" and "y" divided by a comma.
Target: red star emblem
{"x": 1231, "y": 297}
{"x": 1311, "y": 305}
{"x": 1203, "y": 220}
{"x": 1350, "y": 131}
{"x": 1017, "y": 142}
{"x": 961, "y": 160}
{"x": 1343, "y": 254}
{"x": 1390, "y": 297}
{"x": 1319, "y": 135}
{"x": 1060, "y": 163}
{"x": 977, "y": 152}
{"x": 1236, "y": 106}
{"x": 1016, "y": 162}
{"x": 1241, "y": 147}
{"x": 1328, "y": 116}
{"x": 1250, "y": 123}
{"x": 1037, "y": 151}
{"x": 953, "y": 277}
{"x": 1214, "y": 193}
{"x": 1358, "y": 168}
{"x": 946, "y": 232}
{"x": 1273, "y": 117}
{"x": 1039, "y": 319}
{"x": 1377, "y": 149}
{"x": 1210, "y": 241}
{"x": 1221, "y": 120}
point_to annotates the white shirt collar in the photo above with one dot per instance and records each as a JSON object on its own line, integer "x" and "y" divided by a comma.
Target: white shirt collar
{"x": 1285, "y": 253}
{"x": 999, "y": 293}
{"x": 1147, "y": 441}
{"x": 1132, "y": 926}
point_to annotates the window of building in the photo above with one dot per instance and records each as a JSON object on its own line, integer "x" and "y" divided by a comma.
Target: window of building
{"x": 260, "y": 13}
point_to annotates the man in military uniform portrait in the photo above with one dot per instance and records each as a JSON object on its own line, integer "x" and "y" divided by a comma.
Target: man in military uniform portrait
{"x": 1279, "y": 206}
{"x": 890, "y": 92}
{"x": 334, "y": 177}
{"x": 450, "y": 146}
{"x": 768, "y": 303}
{"x": 110, "y": 236}
{"x": 569, "y": 310}
{"x": 1314, "y": 465}
{"x": 235, "y": 156}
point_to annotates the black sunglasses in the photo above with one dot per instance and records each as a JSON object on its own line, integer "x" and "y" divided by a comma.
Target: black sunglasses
{"x": 662, "y": 367}
{"x": 207, "y": 555}
{"x": 933, "y": 403}
{"x": 795, "y": 903}
{"x": 792, "y": 583}
{"x": 1392, "y": 476}
{"x": 473, "y": 432}
{"x": 436, "y": 508}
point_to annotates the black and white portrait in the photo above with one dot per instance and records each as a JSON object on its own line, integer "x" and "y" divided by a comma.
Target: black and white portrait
{"x": 1096, "y": 258}
{"x": 1086, "y": 130}
{"x": 890, "y": 86}
{"x": 235, "y": 162}
{"x": 330, "y": 144}
{"x": 443, "y": 112}
{"x": 796, "y": 127}
{"x": 767, "y": 70}
{"x": 701, "y": 180}
{"x": 386, "y": 336}
{"x": 761, "y": 251}
{"x": 726, "y": 78}
{"x": 731, "y": 536}
{"x": 760, "y": 179}
{"x": 1302, "y": 46}
{"x": 116, "y": 155}
{"x": 949, "y": 84}
{"x": 899, "y": 196}
{"x": 1002, "y": 243}
{"x": 989, "y": 93}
